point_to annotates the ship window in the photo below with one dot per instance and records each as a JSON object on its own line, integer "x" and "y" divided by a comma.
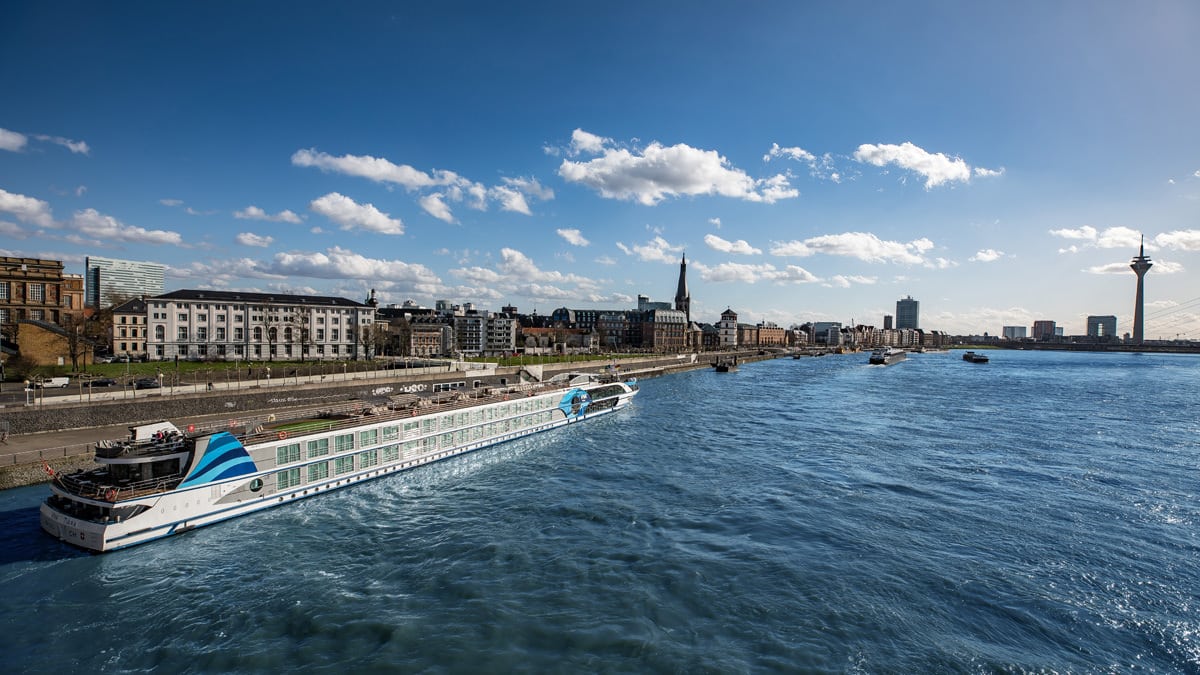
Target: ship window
{"x": 318, "y": 448}
{"x": 411, "y": 427}
{"x": 391, "y": 453}
{"x": 391, "y": 433}
{"x": 256, "y": 485}
{"x": 411, "y": 448}
{"x": 286, "y": 454}
{"x": 344, "y": 464}
{"x": 318, "y": 471}
{"x": 368, "y": 458}
{"x": 344, "y": 443}
{"x": 447, "y": 440}
{"x": 368, "y": 437}
{"x": 287, "y": 478}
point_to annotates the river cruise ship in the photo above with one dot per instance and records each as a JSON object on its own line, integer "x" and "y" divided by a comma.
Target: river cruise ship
{"x": 163, "y": 480}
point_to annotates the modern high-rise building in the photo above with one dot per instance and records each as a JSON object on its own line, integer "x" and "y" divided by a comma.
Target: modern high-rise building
{"x": 1043, "y": 330}
{"x": 887, "y": 321}
{"x": 1014, "y": 332}
{"x": 1140, "y": 265}
{"x": 110, "y": 281}
{"x": 1102, "y": 326}
{"x": 908, "y": 313}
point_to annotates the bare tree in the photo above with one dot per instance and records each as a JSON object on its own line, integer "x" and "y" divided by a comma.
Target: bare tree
{"x": 77, "y": 344}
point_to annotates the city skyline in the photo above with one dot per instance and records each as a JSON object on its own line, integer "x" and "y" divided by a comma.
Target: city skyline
{"x": 998, "y": 164}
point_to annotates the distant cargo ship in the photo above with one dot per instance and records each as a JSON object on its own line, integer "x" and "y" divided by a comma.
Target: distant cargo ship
{"x": 975, "y": 358}
{"x": 887, "y": 356}
{"x": 162, "y": 481}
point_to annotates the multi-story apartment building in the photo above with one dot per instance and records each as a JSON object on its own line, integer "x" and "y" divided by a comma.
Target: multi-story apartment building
{"x": 1044, "y": 330}
{"x": 110, "y": 280}
{"x": 129, "y": 322}
{"x": 500, "y": 334}
{"x": 30, "y": 289}
{"x": 664, "y": 330}
{"x": 205, "y": 324}
{"x": 468, "y": 332}
{"x": 771, "y": 335}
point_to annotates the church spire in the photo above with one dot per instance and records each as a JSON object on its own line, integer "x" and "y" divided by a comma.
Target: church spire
{"x": 683, "y": 299}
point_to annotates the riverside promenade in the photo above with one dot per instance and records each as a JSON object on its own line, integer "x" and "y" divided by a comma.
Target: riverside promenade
{"x": 59, "y": 431}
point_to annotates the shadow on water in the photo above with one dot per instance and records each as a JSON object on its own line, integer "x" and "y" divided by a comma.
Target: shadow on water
{"x": 26, "y": 540}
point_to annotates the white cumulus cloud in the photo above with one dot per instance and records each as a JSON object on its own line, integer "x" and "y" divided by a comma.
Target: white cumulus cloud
{"x": 108, "y": 229}
{"x": 861, "y": 245}
{"x": 1086, "y": 233}
{"x": 656, "y": 250}
{"x": 796, "y": 153}
{"x": 26, "y": 209}
{"x": 987, "y": 255}
{"x": 447, "y": 186}
{"x": 12, "y": 141}
{"x": 340, "y": 263}
{"x": 1180, "y": 240}
{"x": 741, "y": 246}
{"x": 573, "y": 237}
{"x": 251, "y": 239}
{"x": 254, "y": 213}
{"x": 935, "y": 167}
{"x": 658, "y": 172}
{"x": 354, "y": 216}
{"x": 848, "y": 280}
{"x": 377, "y": 169}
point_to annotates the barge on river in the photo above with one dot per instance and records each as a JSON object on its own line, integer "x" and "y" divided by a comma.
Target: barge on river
{"x": 163, "y": 481}
{"x": 886, "y": 356}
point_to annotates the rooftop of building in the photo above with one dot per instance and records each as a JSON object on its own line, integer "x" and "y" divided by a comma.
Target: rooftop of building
{"x": 275, "y": 298}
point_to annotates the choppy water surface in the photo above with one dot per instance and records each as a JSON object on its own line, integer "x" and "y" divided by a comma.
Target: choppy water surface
{"x": 1037, "y": 513}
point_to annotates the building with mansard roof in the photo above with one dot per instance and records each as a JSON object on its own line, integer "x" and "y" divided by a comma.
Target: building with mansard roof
{"x": 232, "y": 325}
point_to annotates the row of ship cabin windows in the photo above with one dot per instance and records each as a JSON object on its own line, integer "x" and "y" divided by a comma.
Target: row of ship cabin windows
{"x": 290, "y": 452}
{"x": 317, "y": 471}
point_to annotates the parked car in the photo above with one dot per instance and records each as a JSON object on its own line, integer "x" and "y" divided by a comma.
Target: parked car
{"x": 146, "y": 383}
{"x": 101, "y": 382}
{"x": 52, "y": 383}
{"x": 103, "y": 359}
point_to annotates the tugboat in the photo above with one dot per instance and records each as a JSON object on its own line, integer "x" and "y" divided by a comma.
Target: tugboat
{"x": 887, "y": 356}
{"x": 975, "y": 358}
{"x": 726, "y": 365}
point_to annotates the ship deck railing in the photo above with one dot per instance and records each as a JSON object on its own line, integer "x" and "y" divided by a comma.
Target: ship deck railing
{"x": 100, "y": 486}
{"x": 414, "y": 407}
{"x": 147, "y": 447}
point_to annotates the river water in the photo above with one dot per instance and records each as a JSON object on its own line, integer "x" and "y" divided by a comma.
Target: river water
{"x": 1034, "y": 514}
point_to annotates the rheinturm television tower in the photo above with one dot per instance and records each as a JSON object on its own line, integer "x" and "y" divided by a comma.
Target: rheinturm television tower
{"x": 1140, "y": 265}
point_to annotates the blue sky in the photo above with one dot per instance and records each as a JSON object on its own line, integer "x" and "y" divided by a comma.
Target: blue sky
{"x": 815, "y": 161}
